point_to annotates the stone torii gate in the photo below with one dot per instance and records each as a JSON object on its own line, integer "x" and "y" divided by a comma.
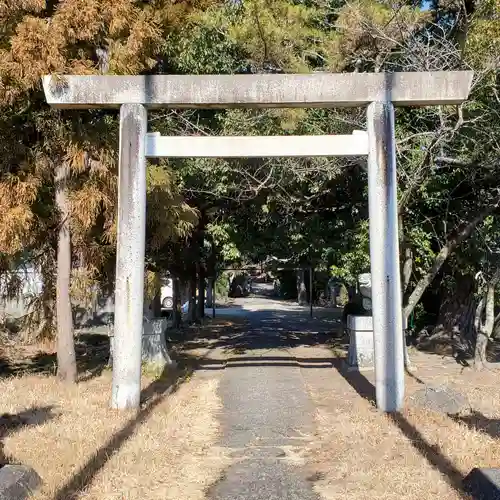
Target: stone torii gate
{"x": 380, "y": 92}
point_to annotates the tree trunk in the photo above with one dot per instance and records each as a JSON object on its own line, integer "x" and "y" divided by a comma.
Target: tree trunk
{"x": 66, "y": 358}
{"x": 201, "y": 292}
{"x": 456, "y": 314}
{"x": 480, "y": 351}
{"x": 496, "y": 328}
{"x": 441, "y": 257}
{"x": 192, "y": 296}
{"x": 406, "y": 270}
{"x": 481, "y": 340}
{"x": 485, "y": 329}
{"x": 454, "y": 332}
{"x": 156, "y": 303}
{"x": 210, "y": 293}
{"x": 176, "y": 306}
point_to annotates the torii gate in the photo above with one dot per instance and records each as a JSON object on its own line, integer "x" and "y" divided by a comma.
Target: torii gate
{"x": 380, "y": 92}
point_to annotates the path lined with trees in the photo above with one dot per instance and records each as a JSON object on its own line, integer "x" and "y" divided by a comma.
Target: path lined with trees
{"x": 58, "y": 216}
{"x": 58, "y": 168}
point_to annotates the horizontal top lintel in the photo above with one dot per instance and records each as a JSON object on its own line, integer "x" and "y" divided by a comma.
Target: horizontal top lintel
{"x": 258, "y": 91}
{"x": 158, "y": 146}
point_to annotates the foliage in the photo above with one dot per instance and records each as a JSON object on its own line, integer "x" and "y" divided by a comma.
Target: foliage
{"x": 222, "y": 286}
{"x": 343, "y": 297}
{"x": 355, "y": 259}
{"x": 226, "y": 212}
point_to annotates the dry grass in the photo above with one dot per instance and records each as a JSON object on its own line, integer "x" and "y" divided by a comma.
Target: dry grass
{"x": 85, "y": 450}
{"x": 418, "y": 454}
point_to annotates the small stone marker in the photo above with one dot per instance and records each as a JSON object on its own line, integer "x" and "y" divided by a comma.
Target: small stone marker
{"x": 154, "y": 346}
{"x": 441, "y": 399}
{"x": 360, "y": 355}
{"x": 483, "y": 484}
{"x": 18, "y": 482}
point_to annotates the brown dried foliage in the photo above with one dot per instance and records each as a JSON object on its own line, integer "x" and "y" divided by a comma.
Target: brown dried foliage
{"x": 70, "y": 36}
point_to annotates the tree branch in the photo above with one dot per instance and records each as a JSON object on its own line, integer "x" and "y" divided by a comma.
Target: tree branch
{"x": 443, "y": 254}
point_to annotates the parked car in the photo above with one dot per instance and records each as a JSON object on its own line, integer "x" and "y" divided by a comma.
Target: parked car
{"x": 185, "y": 306}
{"x": 167, "y": 294}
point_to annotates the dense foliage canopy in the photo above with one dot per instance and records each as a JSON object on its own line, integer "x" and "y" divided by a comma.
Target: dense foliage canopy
{"x": 216, "y": 212}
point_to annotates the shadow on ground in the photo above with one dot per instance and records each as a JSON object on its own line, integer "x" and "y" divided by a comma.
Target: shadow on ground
{"x": 281, "y": 331}
{"x": 479, "y": 422}
{"x": 463, "y": 354}
{"x": 10, "y": 423}
{"x": 151, "y": 396}
{"x": 271, "y": 330}
{"x": 245, "y": 361}
{"x": 92, "y": 354}
{"x": 430, "y": 452}
{"x": 92, "y": 350}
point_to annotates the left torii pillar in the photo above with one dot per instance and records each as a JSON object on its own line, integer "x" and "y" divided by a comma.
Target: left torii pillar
{"x": 131, "y": 233}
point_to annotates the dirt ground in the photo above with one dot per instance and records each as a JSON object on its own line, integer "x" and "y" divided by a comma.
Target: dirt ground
{"x": 83, "y": 449}
{"x": 417, "y": 454}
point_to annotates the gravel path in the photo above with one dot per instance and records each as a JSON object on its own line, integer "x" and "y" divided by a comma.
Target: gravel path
{"x": 268, "y": 417}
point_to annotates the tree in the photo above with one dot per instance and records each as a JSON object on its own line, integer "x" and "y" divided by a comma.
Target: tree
{"x": 68, "y": 37}
{"x": 66, "y": 357}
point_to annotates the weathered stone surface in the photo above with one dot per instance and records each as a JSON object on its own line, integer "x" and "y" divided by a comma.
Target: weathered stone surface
{"x": 441, "y": 399}
{"x": 483, "y": 484}
{"x": 360, "y": 355}
{"x": 365, "y": 285}
{"x": 17, "y": 482}
{"x": 258, "y": 91}
{"x": 154, "y": 346}
{"x": 130, "y": 251}
{"x": 360, "y": 323}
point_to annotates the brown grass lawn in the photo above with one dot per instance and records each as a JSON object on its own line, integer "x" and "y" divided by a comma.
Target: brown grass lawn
{"x": 83, "y": 449}
{"x": 418, "y": 454}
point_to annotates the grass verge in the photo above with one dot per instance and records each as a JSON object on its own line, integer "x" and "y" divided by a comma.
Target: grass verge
{"x": 416, "y": 454}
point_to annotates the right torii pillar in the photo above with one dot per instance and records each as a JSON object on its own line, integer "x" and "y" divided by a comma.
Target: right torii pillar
{"x": 384, "y": 257}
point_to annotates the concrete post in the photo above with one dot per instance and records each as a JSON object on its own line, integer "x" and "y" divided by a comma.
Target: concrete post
{"x": 384, "y": 257}
{"x": 131, "y": 232}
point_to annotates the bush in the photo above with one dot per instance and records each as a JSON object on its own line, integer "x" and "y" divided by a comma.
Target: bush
{"x": 222, "y": 286}
{"x": 343, "y": 297}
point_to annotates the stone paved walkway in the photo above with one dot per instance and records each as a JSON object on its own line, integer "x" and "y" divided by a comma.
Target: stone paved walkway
{"x": 267, "y": 417}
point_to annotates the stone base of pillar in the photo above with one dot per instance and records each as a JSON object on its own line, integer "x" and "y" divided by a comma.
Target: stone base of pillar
{"x": 360, "y": 355}
{"x": 154, "y": 347}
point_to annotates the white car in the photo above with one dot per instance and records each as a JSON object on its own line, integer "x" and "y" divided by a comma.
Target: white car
{"x": 167, "y": 294}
